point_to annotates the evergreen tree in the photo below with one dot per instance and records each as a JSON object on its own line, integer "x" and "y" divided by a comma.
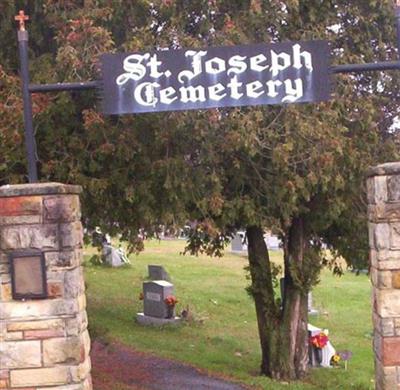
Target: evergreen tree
{"x": 296, "y": 169}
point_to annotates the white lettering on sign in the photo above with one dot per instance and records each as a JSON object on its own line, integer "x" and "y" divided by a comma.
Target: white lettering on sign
{"x": 196, "y": 65}
{"x": 234, "y": 86}
{"x": 145, "y": 94}
{"x": 298, "y": 55}
{"x": 276, "y": 74}
{"x": 293, "y": 92}
{"x": 215, "y": 65}
{"x": 148, "y": 94}
{"x": 279, "y": 62}
{"x": 134, "y": 68}
{"x": 153, "y": 296}
{"x": 192, "y": 94}
{"x": 238, "y": 65}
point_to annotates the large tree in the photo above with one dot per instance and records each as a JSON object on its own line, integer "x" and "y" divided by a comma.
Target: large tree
{"x": 295, "y": 169}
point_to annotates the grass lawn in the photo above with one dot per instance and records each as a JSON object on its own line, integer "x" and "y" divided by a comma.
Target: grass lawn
{"x": 223, "y": 336}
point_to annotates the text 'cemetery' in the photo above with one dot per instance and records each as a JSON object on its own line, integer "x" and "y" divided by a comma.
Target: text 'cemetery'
{"x": 216, "y": 77}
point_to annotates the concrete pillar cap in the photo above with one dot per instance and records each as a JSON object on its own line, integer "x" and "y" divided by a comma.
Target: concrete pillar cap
{"x": 392, "y": 168}
{"x": 15, "y": 190}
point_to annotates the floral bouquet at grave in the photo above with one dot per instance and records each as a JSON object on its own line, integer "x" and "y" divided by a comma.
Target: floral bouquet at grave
{"x": 170, "y": 301}
{"x": 335, "y": 360}
{"x": 319, "y": 340}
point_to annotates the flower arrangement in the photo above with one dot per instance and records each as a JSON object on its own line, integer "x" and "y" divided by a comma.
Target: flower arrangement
{"x": 320, "y": 340}
{"x": 335, "y": 359}
{"x": 171, "y": 301}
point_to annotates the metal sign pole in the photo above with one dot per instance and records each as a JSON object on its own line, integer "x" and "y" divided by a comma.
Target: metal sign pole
{"x": 397, "y": 15}
{"x": 30, "y": 143}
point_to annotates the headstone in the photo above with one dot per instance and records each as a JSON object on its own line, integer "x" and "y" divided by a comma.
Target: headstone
{"x": 272, "y": 242}
{"x": 315, "y": 356}
{"x": 184, "y": 232}
{"x": 311, "y": 310}
{"x": 114, "y": 257}
{"x": 158, "y": 272}
{"x": 239, "y": 242}
{"x": 154, "y": 293}
{"x": 319, "y": 357}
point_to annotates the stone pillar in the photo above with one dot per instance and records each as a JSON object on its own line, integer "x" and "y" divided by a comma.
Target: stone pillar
{"x": 383, "y": 187}
{"x": 44, "y": 343}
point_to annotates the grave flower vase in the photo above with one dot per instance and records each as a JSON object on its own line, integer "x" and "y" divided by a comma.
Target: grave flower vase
{"x": 318, "y": 355}
{"x": 170, "y": 311}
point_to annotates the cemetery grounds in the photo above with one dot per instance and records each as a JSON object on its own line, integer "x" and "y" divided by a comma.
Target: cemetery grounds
{"x": 220, "y": 336}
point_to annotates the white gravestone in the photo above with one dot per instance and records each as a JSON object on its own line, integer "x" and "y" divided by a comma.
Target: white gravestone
{"x": 311, "y": 310}
{"x": 272, "y": 242}
{"x": 239, "y": 242}
{"x": 114, "y": 257}
{"x": 326, "y": 353}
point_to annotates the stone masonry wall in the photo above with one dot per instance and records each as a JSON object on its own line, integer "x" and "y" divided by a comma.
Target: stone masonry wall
{"x": 383, "y": 187}
{"x": 44, "y": 343}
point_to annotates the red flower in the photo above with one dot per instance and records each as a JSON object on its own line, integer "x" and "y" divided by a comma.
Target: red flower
{"x": 171, "y": 301}
{"x": 320, "y": 340}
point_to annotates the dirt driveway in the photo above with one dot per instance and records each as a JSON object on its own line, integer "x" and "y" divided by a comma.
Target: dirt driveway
{"x": 117, "y": 367}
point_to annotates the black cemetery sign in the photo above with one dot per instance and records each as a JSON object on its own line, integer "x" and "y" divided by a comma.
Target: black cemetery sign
{"x": 169, "y": 80}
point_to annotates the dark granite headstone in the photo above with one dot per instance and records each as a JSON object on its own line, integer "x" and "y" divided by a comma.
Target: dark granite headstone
{"x": 158, "y": 272}
{"x": 154, "y": 293}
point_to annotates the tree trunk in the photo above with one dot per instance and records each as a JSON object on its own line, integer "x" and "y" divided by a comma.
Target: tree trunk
{"x": 263, "y": 293}
{"x": 295, "y": 310}
{"x": 282, "y": 330}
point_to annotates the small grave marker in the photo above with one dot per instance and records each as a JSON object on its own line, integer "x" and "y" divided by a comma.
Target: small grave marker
{"x": 158, "y": 272}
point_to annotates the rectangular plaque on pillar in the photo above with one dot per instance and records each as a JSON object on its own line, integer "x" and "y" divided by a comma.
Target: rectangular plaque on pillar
{"x": 28, "y": 275}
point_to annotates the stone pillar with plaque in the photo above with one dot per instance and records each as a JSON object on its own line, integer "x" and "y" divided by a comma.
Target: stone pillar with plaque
{"x": 383, "y": 190}
{"x": 44, "y": 342}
